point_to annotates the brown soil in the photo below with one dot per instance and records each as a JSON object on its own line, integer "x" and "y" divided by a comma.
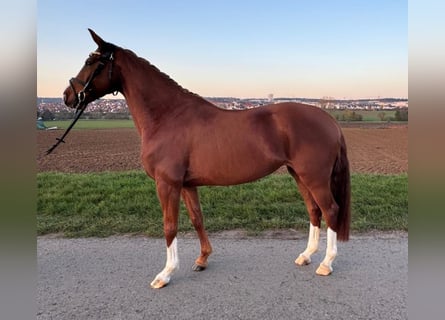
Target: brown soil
{"x": 371, "y": 149}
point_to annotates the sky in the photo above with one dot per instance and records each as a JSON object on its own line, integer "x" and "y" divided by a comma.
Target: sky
{"x": 251, "y": 48}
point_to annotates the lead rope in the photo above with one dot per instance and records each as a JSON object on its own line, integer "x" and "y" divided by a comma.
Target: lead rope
{"x": 79, "y": 112}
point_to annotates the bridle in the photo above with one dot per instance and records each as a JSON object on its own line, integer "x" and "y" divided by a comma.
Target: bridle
{"x": 80, "y": 96}
{"x": 80, "y": 104}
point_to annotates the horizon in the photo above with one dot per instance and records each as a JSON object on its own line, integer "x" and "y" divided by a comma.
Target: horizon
{"x": 106, "y": 97}
{"x": 346, "y": 50}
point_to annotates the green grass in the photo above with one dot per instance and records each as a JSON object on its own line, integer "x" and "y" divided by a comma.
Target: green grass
{"x": 103, "y": 204}
{"x": 368, "y": 115}
{"x": 91, "y": 124}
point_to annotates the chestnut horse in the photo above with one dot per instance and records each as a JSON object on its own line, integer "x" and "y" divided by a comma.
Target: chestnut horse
{"x": 188, "y": 142}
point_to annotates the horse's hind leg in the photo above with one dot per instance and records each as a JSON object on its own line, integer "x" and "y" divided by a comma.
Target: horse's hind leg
{"x": 191, "y": 199}
{"x": 315, "y": 219}
{"x": 325, "y": 267}
{"x": 323, "y": 196}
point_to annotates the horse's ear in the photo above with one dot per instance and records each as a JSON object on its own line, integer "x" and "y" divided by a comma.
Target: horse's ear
{"x": 96, "y": 38}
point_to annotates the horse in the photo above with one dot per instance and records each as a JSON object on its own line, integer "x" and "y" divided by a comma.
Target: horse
{"x": 187, "y": 142}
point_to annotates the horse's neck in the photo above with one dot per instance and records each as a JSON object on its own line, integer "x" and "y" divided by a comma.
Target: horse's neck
{"x": 151, "y": 95}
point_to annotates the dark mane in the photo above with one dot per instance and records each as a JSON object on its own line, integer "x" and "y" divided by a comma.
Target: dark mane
{"x": 162, "y": 74}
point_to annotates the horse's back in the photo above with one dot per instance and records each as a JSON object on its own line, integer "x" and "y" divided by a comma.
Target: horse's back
{"x": 303, "y": 115}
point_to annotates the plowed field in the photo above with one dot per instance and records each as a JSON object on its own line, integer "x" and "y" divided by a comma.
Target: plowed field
{"x": 372, "y": 148}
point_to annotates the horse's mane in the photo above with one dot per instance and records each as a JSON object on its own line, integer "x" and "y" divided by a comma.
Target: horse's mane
{"x": 162, "y": 74}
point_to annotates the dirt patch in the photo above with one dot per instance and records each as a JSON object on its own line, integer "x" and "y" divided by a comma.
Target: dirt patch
{"x": 90, "y": 151}
{"x": 378, "y": 150}
{"x": 372, "y": 149}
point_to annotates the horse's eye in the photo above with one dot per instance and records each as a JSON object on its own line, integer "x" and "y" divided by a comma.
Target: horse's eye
{"x": 92, "y": 58}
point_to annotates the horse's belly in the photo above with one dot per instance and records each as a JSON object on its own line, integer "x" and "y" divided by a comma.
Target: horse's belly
{"x": 226, "y": 172}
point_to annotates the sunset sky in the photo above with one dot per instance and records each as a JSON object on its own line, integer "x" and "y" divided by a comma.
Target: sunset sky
{"x": 290, "y": 48}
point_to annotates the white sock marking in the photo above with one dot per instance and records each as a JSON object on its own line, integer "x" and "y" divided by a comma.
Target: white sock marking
{"x": 312, "y": 244}
{"x": 171, "y": 265}
{"x": 331, "y": 248}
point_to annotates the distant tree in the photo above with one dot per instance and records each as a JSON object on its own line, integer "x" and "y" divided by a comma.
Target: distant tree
{"x": 381, "y": 115}
{"x": 47, "y": 115}
{"x": 64, "y": 115}
{"x": 401, "y": 115}
{"x": 350, "y": 115}
{"x": 117, "y": 115}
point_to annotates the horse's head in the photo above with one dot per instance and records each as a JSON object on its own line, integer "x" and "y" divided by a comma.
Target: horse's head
{"x": 95, "y": 79}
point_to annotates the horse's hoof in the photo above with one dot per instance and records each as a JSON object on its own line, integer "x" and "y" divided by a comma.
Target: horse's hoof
{"x": 302, "y": 260}
{"x": 158, "y": 284}
{"x": 197, "y": 267}
{"x": 323, "y": 270}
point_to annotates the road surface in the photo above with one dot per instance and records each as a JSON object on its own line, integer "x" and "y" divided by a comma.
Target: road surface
{"x": 247, "y": 278}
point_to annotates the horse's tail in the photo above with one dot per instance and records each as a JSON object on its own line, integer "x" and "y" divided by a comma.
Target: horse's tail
{"x": 341, "y": 190}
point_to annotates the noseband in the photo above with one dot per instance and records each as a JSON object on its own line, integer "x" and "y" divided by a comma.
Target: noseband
{"x": 80, "y": 96}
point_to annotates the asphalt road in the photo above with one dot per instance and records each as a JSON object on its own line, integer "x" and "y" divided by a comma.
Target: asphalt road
{"x": 252, "y": 278}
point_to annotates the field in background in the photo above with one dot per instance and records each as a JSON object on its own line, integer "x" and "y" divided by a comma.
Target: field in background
{"x": 91, "y": 124}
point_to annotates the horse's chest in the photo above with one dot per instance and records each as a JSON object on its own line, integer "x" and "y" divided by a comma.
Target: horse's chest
{"x": 167, "y": 159}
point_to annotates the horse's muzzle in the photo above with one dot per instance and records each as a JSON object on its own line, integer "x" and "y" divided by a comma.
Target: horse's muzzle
{"x": 70, "y": 98}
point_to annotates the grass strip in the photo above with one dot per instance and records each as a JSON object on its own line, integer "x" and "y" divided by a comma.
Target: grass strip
{"x": 104, "y": 204}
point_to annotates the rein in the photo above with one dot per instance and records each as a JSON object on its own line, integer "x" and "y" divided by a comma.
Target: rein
{"x": 79, "y": 112}
{"x": 80, "y": 96}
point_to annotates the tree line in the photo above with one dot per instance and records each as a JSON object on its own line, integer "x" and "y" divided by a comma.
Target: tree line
{"x": 47, "y": 115}
{"x": 400, "y": 114}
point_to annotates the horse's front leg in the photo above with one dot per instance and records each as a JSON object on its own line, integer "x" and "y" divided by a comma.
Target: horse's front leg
{"x": 169, "y": 196}
{"x": 191, "y": 199}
